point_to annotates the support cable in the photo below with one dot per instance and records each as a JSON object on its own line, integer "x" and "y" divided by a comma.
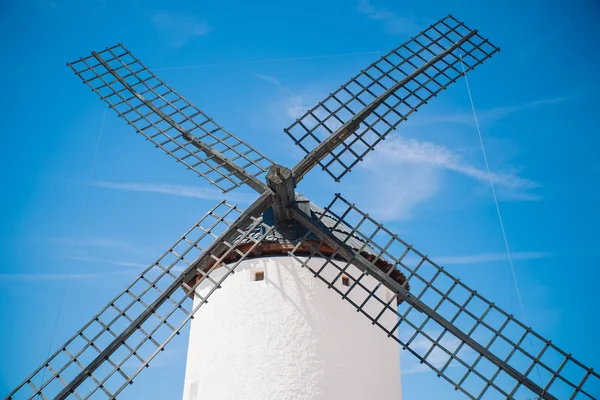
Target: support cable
{"x": 489, "y": 174}
{"x": 65, "y": 285}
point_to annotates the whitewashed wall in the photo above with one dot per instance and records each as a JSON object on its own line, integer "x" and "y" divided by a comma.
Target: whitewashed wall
{"x": 288, "y": 337}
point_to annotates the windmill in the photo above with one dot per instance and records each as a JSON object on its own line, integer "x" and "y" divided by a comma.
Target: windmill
{"x": 478, "y": 348}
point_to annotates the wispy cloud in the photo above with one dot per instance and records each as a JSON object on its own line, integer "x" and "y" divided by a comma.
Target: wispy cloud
{"x": 436, "y": 357}
{"x": 486, "y": 117}
{"x": 393, "y": 23}
{"x": 490, "y": 257}
{"x": 100, "y": 252}
{"x": 99, "y": 260}
{"x": 295, "y": 105}
{"x": 84, "y": 249}
{"x": 179, "y": 28}
{"x": 417, "y": 176}
{"x": 45, "y": 277}
{"x": 392, "y": 196}
{"x": 272, "y": 80}
{"x": 35, "y": 277}
{"x": 292, "y": 103}
{"x": 175, "y": 190}
{"x": 398, "y": 150}
{"x": 98, "y": 242}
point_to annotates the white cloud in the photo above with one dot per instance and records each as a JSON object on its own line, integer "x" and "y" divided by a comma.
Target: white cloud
{"x": 38, "y": 277}
{"x": 121, "y": 263}
{"x": 490, "y": 257}
{"x": 486, "y": 117}
{"x": 393, "y": 23}
{"x": 179, "y": 28}
{"x": 292, "y": 104}
{"x": 176, "y": 190}
{"x": 418, "y": 165}
{"x": 497, "y": 113}
{"x": 390, "y": 196}
{"x": 46, "y": 277}
{"x": 105, "y": 243}
{"x": 101, "y": 250}
{"x": 398, "y": 150}
{"x": 404, "y": 173}
{"x": 272, "y": 80}
{"x": 294, "y": 107}
{"x": 437, "y": 357}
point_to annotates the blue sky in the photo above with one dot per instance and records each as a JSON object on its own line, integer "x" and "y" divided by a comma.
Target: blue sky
{"x": 93, "y": 231}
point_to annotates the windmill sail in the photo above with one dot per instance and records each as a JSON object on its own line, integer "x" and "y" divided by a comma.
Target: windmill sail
{"x": 464, "y": 338}
{"x": 102, "y": 358}
{"x": 169, "y": 121}
{"x": 339, "y": 131}
{"x": 479, "y": 348}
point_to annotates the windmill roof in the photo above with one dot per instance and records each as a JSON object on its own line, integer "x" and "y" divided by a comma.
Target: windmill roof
{"x": 296, "y": 238}
{"x": 296, "y": 233}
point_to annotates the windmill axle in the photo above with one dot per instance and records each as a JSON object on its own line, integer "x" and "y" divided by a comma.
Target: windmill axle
{"x": 281, "y": 181}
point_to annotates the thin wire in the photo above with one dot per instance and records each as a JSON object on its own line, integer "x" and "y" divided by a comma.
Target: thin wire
{"x": 487, "y": 167}
{"x": 269, "y": 60}
{"x": 94, "y": 159}
{"x": 64, "y": 289}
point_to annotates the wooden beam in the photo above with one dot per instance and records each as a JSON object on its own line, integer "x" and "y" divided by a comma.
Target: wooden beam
{"x": 281, "y": 182}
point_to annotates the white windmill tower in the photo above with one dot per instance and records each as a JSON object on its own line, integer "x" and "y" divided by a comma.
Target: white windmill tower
{"x": 284, "y": 335}
{"x": 273, "y": 331}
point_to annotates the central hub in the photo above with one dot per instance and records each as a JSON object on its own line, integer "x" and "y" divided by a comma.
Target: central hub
{"x": 281, "y": 182}
{"x": 278, "y": 175}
